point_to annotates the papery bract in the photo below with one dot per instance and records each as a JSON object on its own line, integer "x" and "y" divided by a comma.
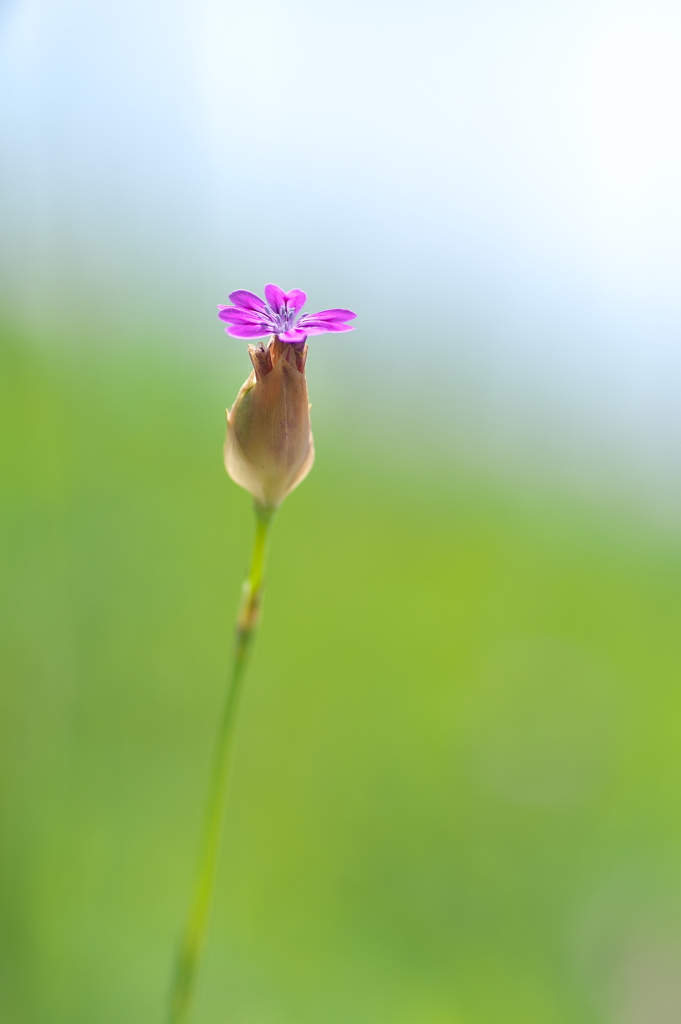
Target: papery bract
{"x": 269, "y": 448}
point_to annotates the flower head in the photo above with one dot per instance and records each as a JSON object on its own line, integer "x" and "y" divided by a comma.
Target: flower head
{"x": 251, "y": 317}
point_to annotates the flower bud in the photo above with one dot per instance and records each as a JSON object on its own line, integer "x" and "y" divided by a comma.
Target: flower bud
{"x": 269, "y": 447}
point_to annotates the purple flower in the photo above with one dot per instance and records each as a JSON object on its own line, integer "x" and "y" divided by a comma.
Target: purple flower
{"x": 250, "y": 317}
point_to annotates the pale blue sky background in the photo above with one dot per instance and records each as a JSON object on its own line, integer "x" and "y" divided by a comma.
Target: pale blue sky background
{"x": 493, "y": 186}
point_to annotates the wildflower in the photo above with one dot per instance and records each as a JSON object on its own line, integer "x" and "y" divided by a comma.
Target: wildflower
{"x": 269, "y": 448}
{"x": 251, "y": 317}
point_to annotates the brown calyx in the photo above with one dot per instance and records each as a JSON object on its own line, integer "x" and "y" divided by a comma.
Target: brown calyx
{"x": 264, "y": 357}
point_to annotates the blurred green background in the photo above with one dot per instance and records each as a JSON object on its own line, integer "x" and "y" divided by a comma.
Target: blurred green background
{"x": 458, "y": 774}
{"x": 457, "y": 785}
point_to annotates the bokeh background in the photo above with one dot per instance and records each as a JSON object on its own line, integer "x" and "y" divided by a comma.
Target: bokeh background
{"x": 457, "y": 786}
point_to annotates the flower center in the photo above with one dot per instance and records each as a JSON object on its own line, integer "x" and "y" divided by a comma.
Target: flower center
{"x": 284, "y": 320}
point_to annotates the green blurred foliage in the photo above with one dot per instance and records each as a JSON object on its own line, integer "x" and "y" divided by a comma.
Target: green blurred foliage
{"x": 458, "y": 773}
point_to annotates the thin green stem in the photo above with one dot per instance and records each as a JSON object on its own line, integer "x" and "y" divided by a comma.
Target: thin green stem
{"x": 189, "y": 954}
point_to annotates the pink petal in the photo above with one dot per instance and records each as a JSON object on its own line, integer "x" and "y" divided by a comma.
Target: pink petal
{"x": 332, "y": 314}
{"x": 247, "y": 300}
{"x": 232, "y": 315}
{"x": 295, "y": 300}
{"x": 316, "y": 326}
{"x": 275, "y": 297}
{"x": 293, "y": 335}
{"x": 246, "y": 331}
